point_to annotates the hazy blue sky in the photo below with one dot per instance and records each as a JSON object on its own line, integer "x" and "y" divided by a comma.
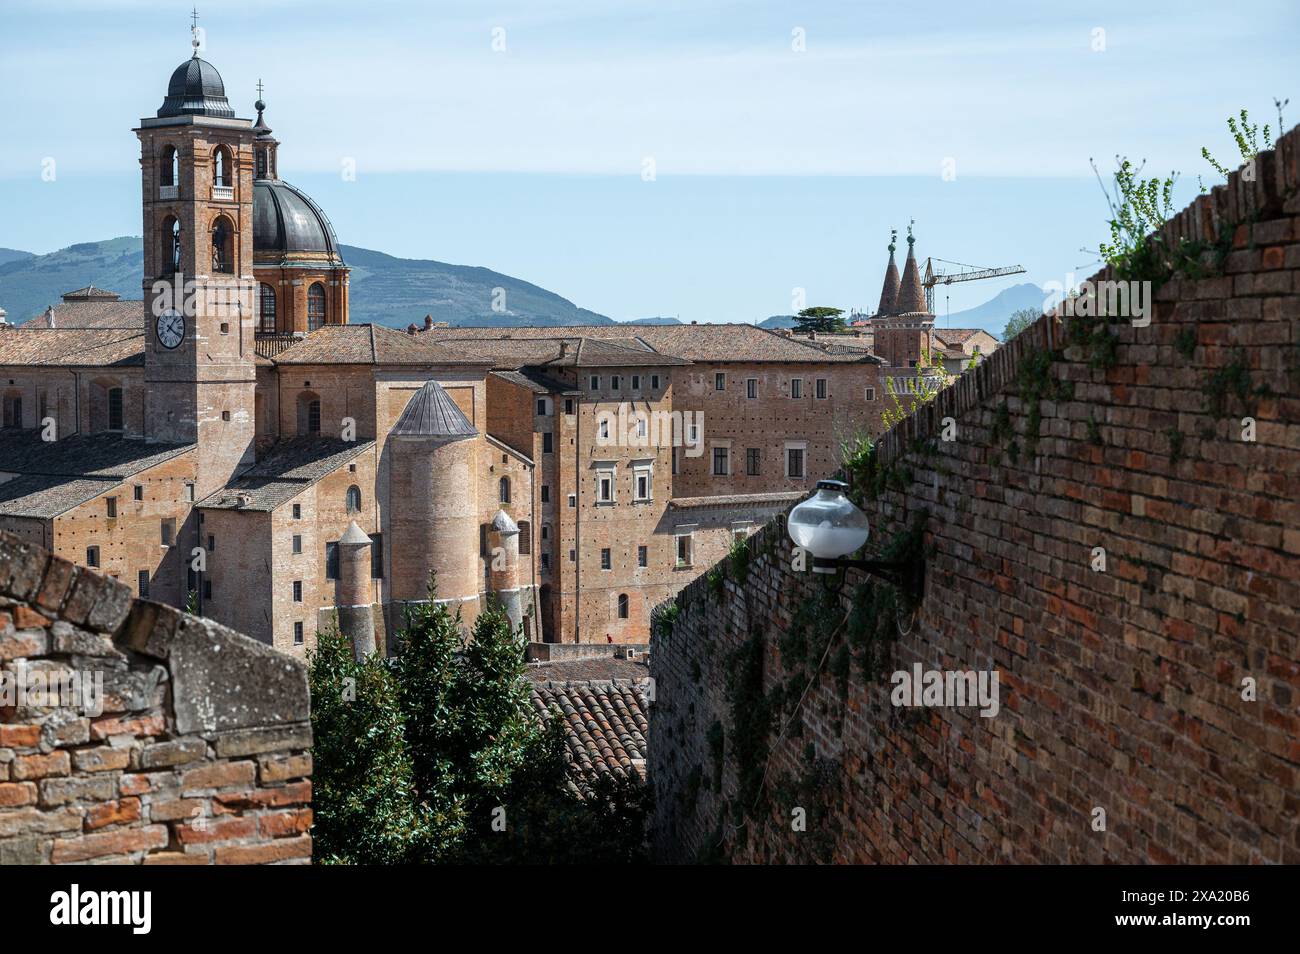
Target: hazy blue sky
{"x": 775, "y": 167}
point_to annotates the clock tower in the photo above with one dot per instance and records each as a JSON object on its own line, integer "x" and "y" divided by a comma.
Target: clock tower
{"x": 196, "y": 165}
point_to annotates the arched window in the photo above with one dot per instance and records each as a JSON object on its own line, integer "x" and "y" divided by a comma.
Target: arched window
{"x": 223, "y": 259}
{"x": 308, "y": 413}
{"x": 221, "y": 167}
{"x": 503, "y": 490}
{"x": 171, "y": 245}
{"x": 315, "y": 306}
{"x": 622, "y": 606}
{"x": 170, "y": 173}
{"x": 115, "y": 409}
{"x": 261, "y": 163}
{"x": 354, "y": 499}
{"x": 266, "y": 309}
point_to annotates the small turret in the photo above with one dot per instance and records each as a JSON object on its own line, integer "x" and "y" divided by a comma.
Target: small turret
{"x": 503, "y": 566}
{"x": 355, "y": 602}
{"x": 889, "y": 291}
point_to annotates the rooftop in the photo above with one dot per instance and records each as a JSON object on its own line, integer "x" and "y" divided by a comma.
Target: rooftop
{"x": 74, "y": 347}
{"x": 605, "y": 724}
{"x": 374, "y": 344}
{"x": 287, "y": 469}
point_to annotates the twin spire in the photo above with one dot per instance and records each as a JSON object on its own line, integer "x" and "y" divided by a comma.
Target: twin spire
{"x": 905, "y": 296}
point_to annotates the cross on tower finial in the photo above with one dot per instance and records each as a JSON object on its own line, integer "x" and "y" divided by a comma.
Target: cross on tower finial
{"x": 194, "y": 30}
{"x": 194, "y": 16}
{"x": 259, "y": 87}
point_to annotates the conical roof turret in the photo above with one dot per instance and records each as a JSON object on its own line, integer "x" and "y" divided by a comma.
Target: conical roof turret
{"x": 889, "y": 291}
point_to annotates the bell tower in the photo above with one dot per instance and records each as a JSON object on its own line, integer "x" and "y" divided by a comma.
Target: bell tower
{"x": 196, "y": 164}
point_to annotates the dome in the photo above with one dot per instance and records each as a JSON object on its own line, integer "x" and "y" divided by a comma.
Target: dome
{"x": 286, "y": 221}
{"x": 196, "y": 90}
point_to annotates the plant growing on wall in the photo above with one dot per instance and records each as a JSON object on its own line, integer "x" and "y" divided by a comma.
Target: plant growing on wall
{"x": 1139, "y": 206}
{"x": 931, "y": 378}
{"x": 1247, "y": 136}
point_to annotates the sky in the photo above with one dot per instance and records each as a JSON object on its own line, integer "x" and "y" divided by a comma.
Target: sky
{"x": 715, "y": 160}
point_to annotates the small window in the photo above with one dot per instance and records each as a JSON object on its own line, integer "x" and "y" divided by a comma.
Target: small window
{"x": 622, "y": 606}
{"x": 142, "y": 584}
{"x": 719, "y": 381}
{"x": 616, "y": 382}
{"x": 573, "y": 556}
{"x": 642, "y": 556}
{"x": 820, "y": 389}
{"x": 654, "y": 382}
{"x": 674, "y": 460}
{"x": 92, "y": 556}
{"x": 568, "y": 406}
{"x": 595, "y": 382}
{"x": 189, "y": 493}
{"x": 111, "y": 504}
{"x": 602, "y": 429}
{"x": 643, "y": 486}
{"x": 870, "y": 394}
{"x": 720, "y": 462}
{"x": 168, "y": 534}
{"x": 332, "y": 561}
{"x": 207, "y": 589}
{"x": 212, "y": 543}
{"x": 297, "y": 591}
{"x": 796, "y": 388}
{"x": 225, "y": 416}
{"x": 684, "y": 550}
{"x": 315, "y": 307}
{"x": 546, "y": 561}
{"x": 376, "y": 556}
{"x": 541, "y": 407}
{"x": 115, "y": 409}
{"x": 139, "y": 491}
{"x": 297, "y": 511}
{"x": 606, "y": 559}
{"x": 354, "y": 499}
{"x": 266, "y": 309}
{"x": 573, "y": 500}
{"x": 297, "y": 633}
{"x": 546, "y": 531}
{"x": 752, "y": 462}
{"x": 223, "y": 255}
{"x": 605, "y": 487}
{"x": 297, "y": 543}
{"x": 751, "y": 388}
{"x": 636, "y": 382}
{"x": 525, "y": 537}
{"x": 503, "y": 490}
{"x": 548, "y": 442}
{"x": 546, "y": 493}
{"x": 795, "y": 462}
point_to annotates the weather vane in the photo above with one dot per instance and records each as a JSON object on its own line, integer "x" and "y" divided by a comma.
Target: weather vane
{"x": 194, "y": 30}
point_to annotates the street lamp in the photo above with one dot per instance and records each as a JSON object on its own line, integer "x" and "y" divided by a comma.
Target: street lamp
{"x": 830, "y": 526}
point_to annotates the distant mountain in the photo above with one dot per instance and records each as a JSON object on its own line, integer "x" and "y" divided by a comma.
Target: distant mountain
{"x": 777, "y": 321}
{"x": 993, "y": 314}
{"x": 385, "y": 290}
{"x": 12, "y": 255}
{"x": 660, "y": 320}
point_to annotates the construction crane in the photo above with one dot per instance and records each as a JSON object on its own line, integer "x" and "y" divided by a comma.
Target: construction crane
{"x": 966, "y": 273}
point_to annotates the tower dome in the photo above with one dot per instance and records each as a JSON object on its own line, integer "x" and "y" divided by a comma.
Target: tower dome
{"x": 287, "y": 222}
{"x": 196, "y": 89}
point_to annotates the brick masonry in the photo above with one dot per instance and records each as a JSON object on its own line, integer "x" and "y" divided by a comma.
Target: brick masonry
{"x": 200, "y": 755}
{"x": 1121, "y": 689}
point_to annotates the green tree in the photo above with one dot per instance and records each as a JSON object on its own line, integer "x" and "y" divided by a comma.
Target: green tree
{"x": 821, "y": 319}
{"x": 1018, "y": 322}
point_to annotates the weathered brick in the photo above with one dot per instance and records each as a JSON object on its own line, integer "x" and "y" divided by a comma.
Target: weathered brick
{"x": 77, "y": 791}
{"x": 176, "y": 858}
{"x": 219, "y": 775}
{"x": 104, "y": 758}
{"x": 39, "y": 766}
{"x": 17, "y": 793}
{"x": 173, "y": 809}
{"x": 117, "y": 812}
{"x": 203, "y": 830}
{"x": 26, "y": 821}
{"x": 280, "y": 824}
{"x": 283, "y": 849}
{"x": 125, "y": 841}
{"x": 177, "y": 752}
{"x": 19, "y": 736}
{"x": 284, "y": 768}
{"x": 138, "y": 726}
{"x": 291, "y": 794}
{"x": 253, "y": 741}
{"x": 24, "y": 643}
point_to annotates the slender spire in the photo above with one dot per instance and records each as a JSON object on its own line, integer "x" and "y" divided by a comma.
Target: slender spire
{"x": 889, "y": 291}
{"x": 194, "y": 32}
{"x": 911, "y": 296}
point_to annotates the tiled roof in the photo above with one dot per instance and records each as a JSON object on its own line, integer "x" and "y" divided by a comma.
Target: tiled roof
{"x": 710, "y": 343}
{"x": 374, "y": 344}
{"x": 56, "y": 476}
{"x": 106, "y": 455}
{"x": 66, "y": 347}
{"x": 287, "y": 469}
{"x": 956, "y": 336}
{"x": 605, "y": 725}
{"x": 272, "y": 346}
{"x": 90, "y": 292}
{"x": 565, "y": 351}
{"x": 91, "y": 312}
{"x": 734, "y": 500}
{"x": 601, "y": 667}
{"x": 537, "y": 381}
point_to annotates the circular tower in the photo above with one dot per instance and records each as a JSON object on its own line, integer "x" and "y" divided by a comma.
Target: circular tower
{"x": 503, "y": 563}
{"x": 354, "y": 602}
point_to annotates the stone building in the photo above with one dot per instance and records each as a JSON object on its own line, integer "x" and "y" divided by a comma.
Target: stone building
{"x": 231, "y": 441}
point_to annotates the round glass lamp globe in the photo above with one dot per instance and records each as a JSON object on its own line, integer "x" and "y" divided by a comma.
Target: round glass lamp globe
{"x": 827, "y": 524}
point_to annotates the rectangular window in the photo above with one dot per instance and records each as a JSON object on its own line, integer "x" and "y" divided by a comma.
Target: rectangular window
{"x": 720, "y": 462}
{"x": 525, "y": 537}
{"x": 719, "y": 381}
{"x": 684, "y": 550}
{"x": 573, "y": 556}
{"x": 331, "y": 561}
{"x": 643, "y": 486}
{"x": 546, "y": 493}
{"x": 820, "y": 389}
{"x": 212, "y": 542}
{"x": 142, "y": 584}
{"x": 168, "y": 528}
{"x": 297, "y": 511}
{"x": 189, "y": 493}
{"x": 674, "y": 454}
{"x": 751, "y": 388}
{"x": 870, "y": 394}
{"x": 606, "y": 559}
{"x": 602, "y": 430}
{"x": 92, "y": 556}
{"x": 654, "y": 382}
{"x": 297, "y": 591}
{"x": 546, "y": 561}
{"x": 115, "y": 409}
{"x": 297, "y": 633}
{"x": 615, "y": 382}
{"x": 111, "y": 504}
{"x": 541, "y": 406}
{"x": 636, "y": 382}
{"x": 796, "y": 388}
{"x": 752, "y": 461}
{"x": 642, "y": 556}
{"x": 546, "y": 531}
{"x": 376, "y": 556}
{"x": 139, "y": 491}
{"x": 547, "y": 442}
{"x": 573, "y": 500}
{"x": 794, "y": 462}
{"x": 297, "y": 543}
{"x": 568, "y": 406}
{"x": 605, "y": 487}
{"x": 595, "y": 382}
{"x": 207, "y": 589}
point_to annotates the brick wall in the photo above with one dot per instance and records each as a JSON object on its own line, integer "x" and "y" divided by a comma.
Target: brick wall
{"x": 196, "y": 753}
{"x": 1123, "y": 689}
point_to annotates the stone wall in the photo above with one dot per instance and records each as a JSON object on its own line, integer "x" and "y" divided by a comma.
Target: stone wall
{"x": 1148, "y": 706}
{"x": 197, "y": 750}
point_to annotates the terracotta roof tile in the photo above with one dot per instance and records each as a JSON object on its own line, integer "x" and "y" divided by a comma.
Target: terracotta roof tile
{"x": 65, "y": 347}
{"x": 92, "y": 312}
{"x": 605, "y": 725}
{"x": 285, "y": 470}
{"x": 374, "y": 344}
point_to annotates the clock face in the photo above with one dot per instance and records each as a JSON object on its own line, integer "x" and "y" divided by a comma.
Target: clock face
{"x": 171, "y": 329}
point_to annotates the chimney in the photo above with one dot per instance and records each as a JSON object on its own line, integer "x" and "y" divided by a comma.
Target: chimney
{"x": 564, "y": 348}
{"x": 49, "y": 316}
{"x": 411, "y": 329}
{"x": 428, "y": 322}
{"x": 4, "y": 320}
